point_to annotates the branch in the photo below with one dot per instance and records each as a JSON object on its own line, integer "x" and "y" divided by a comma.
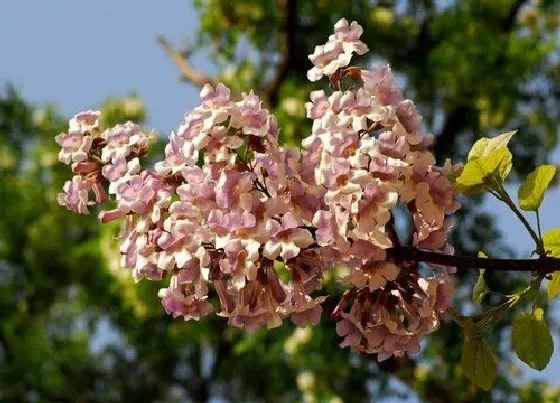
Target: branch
{"x": 511, "y": 16}
{"x": 458, "y": 118}
{"x": 181, "y": 60}
{"x": 543, "y": 265}
{"x": 272, "y": 87}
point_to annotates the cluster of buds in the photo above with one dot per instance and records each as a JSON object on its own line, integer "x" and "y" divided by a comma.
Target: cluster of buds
{"x": 228, "y": 207}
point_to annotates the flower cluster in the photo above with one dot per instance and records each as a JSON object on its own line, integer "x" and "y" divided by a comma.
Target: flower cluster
{"x": 230, "y": 211}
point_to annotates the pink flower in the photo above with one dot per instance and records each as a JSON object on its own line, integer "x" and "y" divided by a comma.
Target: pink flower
{"x": 139, "y": 193}
{"x": 75, "y": 146}
{"x": 305, "y": 310}
{"x": 122, "y": 141}
{"x": 178, "y": 155}
{"x": 120, "y": 168}
{"x": 76, "y": 195}
{"x": 327, "y": 59}
{"x": 198, "y": 187}
{"x": 86, "y": 121}
{"x": 285, "y": 238}
{"x": 176, "y": 303}
{"x": 337, "y": 52}
{"x": 215, "y": 98}
{"x": 238, "y": 223}
{"x": 255, "y": 306}
{"x": 406, "y": 111}
{"x": 380, "y": 81}
{"x": 349, "y": 35}
{"x": 234, "y": 190}
{"x": 228, "y": 205}
{"x": 318, "y": 106}
{"x": 328, "y": 231}
{"x": 239, "y": 261}
{"x": 251, "y": 117}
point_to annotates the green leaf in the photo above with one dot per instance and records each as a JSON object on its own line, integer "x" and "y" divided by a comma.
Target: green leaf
{"x": 478, "y": 170}
{"x": 554, "y": 286}
{"x": 478, "y": 148}
{"x": 551, "y": 241}
{"x": 531, "y": 339}
{"x": 473, "y": 174}
{"x": 531, "y": 192}
{"x": 480, "y": 288}
{"x": 485, "y": 146}
{"x": 478, "y": 361}
{"x": 499, "y": 163}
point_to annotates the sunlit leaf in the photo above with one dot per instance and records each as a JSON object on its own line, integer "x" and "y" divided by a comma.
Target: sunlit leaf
{"x": 478, "y": 170}
{"x": 531, "y": 339}
{"x": 473, "y": 174}
{"x": 531, "y": 192}
{"x": 551, "y": 241}
{"x": 485, "y": 146}
{"x": 553, "y": 286}
{"x": 498, "y": 162}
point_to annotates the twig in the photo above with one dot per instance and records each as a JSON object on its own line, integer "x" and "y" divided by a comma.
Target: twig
{"x": 188, "y": 72}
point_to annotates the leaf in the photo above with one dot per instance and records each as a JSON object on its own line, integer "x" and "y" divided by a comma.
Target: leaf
{"x": 499, "y": 163}
{"x": 531, "y": 339}
{"x": 480, "y": 288}
{"x": 473, "y": 174}
{"x": 531, "y": 192}
{"x": 485, "y": 146}
{"x": 551, "y": 241}
{"x": 478, "y": 148}
{"x": 478, "y": 170}
{"x": 478, "y": 361}
{"x": 554, "y": 286}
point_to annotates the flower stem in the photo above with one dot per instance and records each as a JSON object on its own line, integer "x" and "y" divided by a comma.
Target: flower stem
{"x": 504, "y": 196}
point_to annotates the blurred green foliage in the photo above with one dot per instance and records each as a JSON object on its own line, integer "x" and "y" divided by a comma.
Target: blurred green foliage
{"x": 75, "y": 328}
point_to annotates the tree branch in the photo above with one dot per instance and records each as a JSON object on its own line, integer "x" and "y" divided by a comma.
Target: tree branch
{"x": 272, "y": 87}
{"x": 543, "y": 265}
{"x": 181, "y": 60}
{"x": 458, "y": 118}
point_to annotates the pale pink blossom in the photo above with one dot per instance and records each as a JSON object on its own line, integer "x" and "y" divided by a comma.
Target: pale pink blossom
{"x": 75, "y": 146}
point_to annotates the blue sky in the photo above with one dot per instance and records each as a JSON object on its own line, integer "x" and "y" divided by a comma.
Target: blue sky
{"x": 76, "y": 53}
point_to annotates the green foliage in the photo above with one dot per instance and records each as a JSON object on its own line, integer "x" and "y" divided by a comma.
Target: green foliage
{"x": 479, "y": 361}
{"x": 551, "y": 241}
{"x": 531, "y": 192}
{"x": 553, "y": 288}
{"x": 531, "y": 339}
{"x": 489, "y": 162}
{"x": 480, "y": 289}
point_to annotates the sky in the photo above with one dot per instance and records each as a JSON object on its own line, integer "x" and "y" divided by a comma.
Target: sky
{"x": 76, "y": 53}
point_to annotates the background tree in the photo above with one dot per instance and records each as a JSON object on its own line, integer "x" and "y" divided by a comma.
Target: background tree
{"x": 472, "y": 66}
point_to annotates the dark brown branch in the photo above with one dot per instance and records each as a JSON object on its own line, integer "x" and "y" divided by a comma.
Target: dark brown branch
{"x": 542, "y": 265}
{"x": 288, "y": 44}
{"x": 457, "y": 118}
{"x": 181, "y": 60}
{"x": 511, "y": 16}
